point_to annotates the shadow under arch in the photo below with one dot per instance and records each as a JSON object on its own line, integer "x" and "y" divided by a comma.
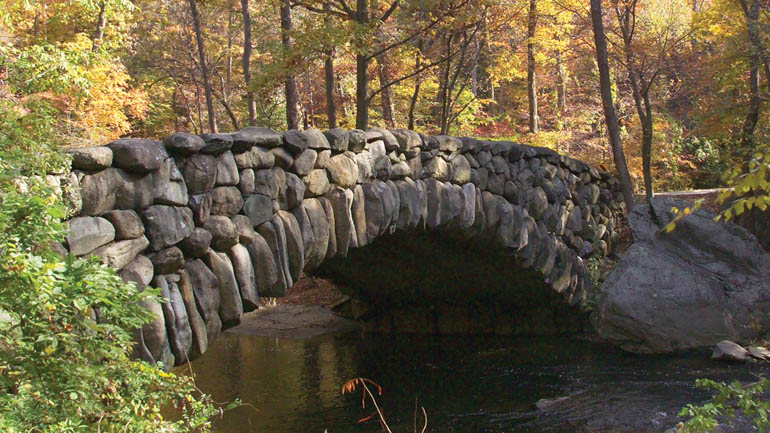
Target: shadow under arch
{"x": 435, "y": 282}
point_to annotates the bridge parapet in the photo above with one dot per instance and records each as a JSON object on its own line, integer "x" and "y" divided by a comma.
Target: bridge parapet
{"x": 218, "y": 220}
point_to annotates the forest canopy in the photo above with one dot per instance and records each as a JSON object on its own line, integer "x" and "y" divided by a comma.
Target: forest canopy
{"x": 689, "y": 77}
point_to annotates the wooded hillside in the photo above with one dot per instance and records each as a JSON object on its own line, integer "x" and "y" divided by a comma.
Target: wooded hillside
{"x": 690, "y": 78}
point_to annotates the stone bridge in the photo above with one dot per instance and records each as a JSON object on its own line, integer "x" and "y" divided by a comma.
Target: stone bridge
{"x": 218, "y": 220}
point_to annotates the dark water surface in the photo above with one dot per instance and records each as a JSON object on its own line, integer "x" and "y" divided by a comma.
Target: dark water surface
{"x": 466, "y": 384}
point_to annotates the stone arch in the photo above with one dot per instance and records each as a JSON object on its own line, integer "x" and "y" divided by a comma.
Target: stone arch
{"x": 218, "y": 220}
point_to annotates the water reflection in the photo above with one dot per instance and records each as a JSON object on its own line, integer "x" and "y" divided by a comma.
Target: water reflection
{"x": 467, "y": 384}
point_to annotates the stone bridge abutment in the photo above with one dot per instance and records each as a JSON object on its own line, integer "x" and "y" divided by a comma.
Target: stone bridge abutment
{"x": 218, "y": 220}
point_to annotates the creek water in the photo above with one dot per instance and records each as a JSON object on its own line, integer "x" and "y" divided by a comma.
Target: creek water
{"x": 465, "y": 384}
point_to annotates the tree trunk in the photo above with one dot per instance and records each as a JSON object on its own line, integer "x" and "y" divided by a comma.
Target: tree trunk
{"x": 484, "y": 60}
{"x": 531, "y": 74}
{"x": 766, "y": 65}
{"x": 362, "y": 92}
{"x": 331, "y": 104}
{"x": 311, "y": 102}
{"x": 203, "y": 66}
{"x": 36, "y": 26}
{"x": 561, "y": 84}
{"x": 442, "y": 97}
{"x": 641, "y": 92}
{"x": 290, "y": 86}
{"x": 750, "y": 124}
{"x": 175, "y": 109}
{"x": 751, "y": 13}
{"x": 362, "y": 76}
{"x": 387, "y": 94}
{"x": 227, "y": 88}
{"x": 101, "y": 21}
{"x": 641, "y": 95}
{"x": 230, "y": 114}
{"x": 198, "y": 107}
{"x": 610, "y": 116}
{"x": 647, "y": 129}
{"x": 417, "y": 84}
{"x": 247, "y": 62}
{"x": 341, "y": 90}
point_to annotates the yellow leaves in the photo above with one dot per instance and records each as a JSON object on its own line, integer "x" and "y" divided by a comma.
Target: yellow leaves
{"x": 681, "y": 213}
{"x": 105, "y": 114}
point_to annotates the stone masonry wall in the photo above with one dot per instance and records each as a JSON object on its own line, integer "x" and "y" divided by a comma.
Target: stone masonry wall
{"x": 218, "y": 220}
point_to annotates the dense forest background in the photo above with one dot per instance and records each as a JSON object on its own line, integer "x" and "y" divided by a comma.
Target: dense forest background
{"x": 690, "y": 76}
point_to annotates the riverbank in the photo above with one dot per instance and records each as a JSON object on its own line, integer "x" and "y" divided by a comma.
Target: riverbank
{"x": 305, "y": 312}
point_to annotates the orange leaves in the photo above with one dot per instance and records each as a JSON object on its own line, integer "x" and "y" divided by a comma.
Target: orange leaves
{"x": 349, "y": 386}
{"x": 353, "y": 384}
{"x": 365, "y": 419}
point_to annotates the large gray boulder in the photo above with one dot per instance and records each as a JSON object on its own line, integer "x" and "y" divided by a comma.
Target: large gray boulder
{"x": 199, "y": 338}
{"x": 167, "y": 261}
{"x": 205, "y": 287}
{"x": 230, "y": 308}
{"x": 137, "y": 155}
{"x": 305, "y": 161}
{"x": 226, "y": 200}
{"x": 91, "y": 158}
{"x": 262, "y": 259}
{"x": 88, "y": 233}
{"x": 224, "y": 233}
{"x": 338, "y": 139}
{"x": 245, "y": 275}
{"x": 700, "y": 284}
{"x": 256, "y": 157}
{"x": 295, "y": 141}
{"x": 168, "y": 186}
{"x": 119, "y": 254}
{"x": 167, "y": 225}
{"x": 179, "y": 333}
{"x": 343, "y": 170}
{"x": 133, "y": 191}
{"x": 356, "y": 140}
{"x": 138, "y": 271}
{"x": 199, "y": 172}
{"x": 197, "y": 243}
{"x": 182, "y": 143}
{"x": 408, "y": 141}
{"x": 227, "y": 170}
{"x": 126, "y": 222}
{"x": 98, "y": 191}
{"x": 216, "y": 144}
{"x": 259, "y": 208}
{"x": 316, "y": 183}
{"x": 251, "y": 136}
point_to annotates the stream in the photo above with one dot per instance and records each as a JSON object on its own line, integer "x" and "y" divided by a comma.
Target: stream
{"x": 465, "y": 384}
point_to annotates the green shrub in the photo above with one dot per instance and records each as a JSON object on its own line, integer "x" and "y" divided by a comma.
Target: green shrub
{"x": 66, "y": 328}
{"x": 708, "y": 158}
{"x": 729, "y": 400}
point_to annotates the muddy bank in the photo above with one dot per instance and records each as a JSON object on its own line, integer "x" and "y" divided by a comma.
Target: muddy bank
{"x": 293, "y": 321}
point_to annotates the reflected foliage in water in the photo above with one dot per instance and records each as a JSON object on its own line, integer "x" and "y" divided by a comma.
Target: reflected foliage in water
{"x": 467, "y": 384}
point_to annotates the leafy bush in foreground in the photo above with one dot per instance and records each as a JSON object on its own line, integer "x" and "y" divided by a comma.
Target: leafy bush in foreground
{"x": 728, "y": 401}
{"x": 65, "y": 327}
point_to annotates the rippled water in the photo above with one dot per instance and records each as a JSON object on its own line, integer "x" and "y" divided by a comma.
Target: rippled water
{"x": 466, "y": 384}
